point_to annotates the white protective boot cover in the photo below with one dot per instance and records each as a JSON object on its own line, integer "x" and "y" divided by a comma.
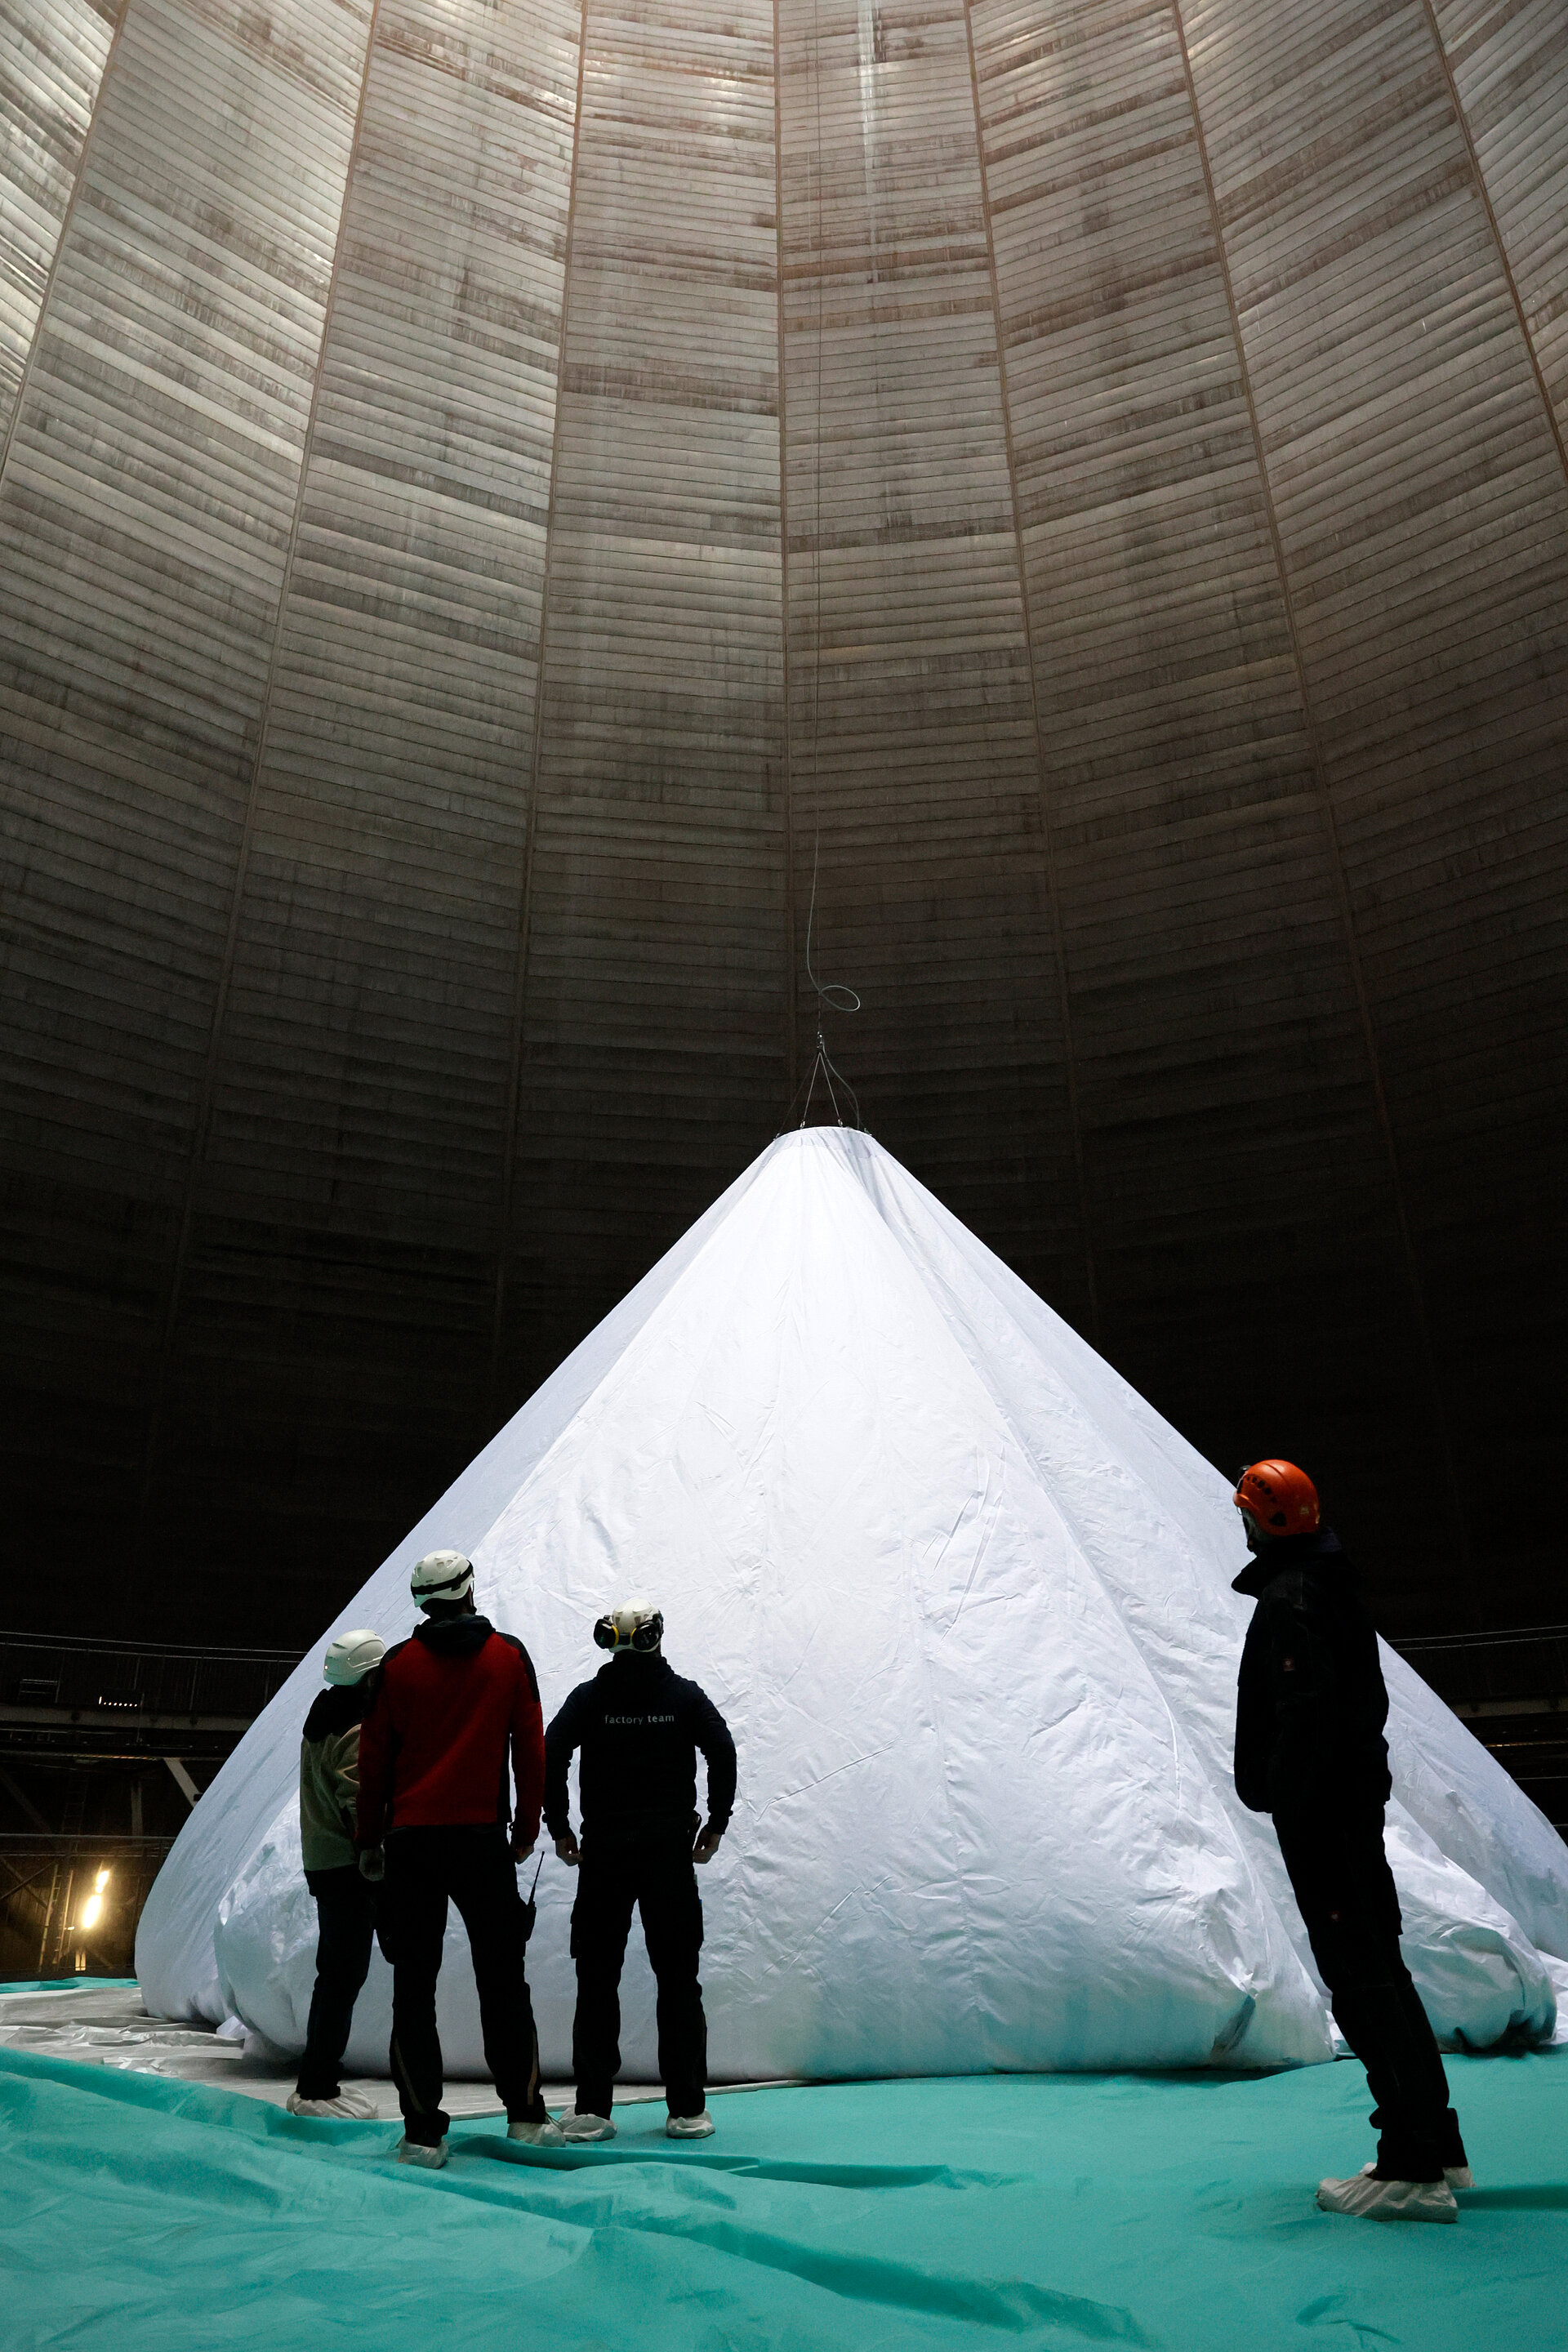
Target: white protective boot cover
{"x": 1371, "y": 2199}
{"x": 965, "y": 1600}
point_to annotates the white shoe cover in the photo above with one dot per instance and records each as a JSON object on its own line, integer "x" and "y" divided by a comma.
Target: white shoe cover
{"x": 413, "y": 2151}
{"x": 1458, "y": 2176}
{"x": 576, "y": 2128}
{"x": 690, "y": 2127}
{"x": 544, "y": 2135}
{"x": 1389, "y": 2201}
{"x": 349, "y": 2106}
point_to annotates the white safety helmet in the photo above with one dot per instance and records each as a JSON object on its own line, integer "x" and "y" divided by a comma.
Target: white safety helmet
{"x": 350, "y": 1657}
{"x": 442, "y": 1576}
{"x": 635, "y": 1626}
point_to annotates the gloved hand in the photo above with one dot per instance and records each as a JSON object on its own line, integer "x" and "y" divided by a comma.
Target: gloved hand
{"x": 707, "y": 1844}
{"x": 373, "y": 1862}
{"x": 570, "y": 1852}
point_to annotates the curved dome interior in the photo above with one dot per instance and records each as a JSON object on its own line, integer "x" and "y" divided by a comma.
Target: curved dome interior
{"x": 509, "y": 512}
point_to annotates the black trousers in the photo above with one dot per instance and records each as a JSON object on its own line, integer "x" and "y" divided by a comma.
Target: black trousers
{"x": 345, "y": 1923}
{"x": 472, "y": 1868}
{"x": 656, "y": 1879}
{"x": 1351, "y": 1907}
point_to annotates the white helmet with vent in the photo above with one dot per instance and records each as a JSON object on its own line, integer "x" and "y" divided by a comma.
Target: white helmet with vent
{"x": 350, "y": 1657}
{"x": 442, "y": 1576}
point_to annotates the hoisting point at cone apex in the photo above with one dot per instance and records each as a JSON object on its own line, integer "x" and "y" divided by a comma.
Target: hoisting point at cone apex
{"x": 821, "y": 1062}
{"x": 964, "y": 1597}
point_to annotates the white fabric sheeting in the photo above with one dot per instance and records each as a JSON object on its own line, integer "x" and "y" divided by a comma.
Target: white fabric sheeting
{"x": 965, "y": 1600}
{"x": 95, "y": 2025}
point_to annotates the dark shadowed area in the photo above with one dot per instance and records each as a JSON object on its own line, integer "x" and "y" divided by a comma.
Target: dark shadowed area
{"x": 510, "y": 514}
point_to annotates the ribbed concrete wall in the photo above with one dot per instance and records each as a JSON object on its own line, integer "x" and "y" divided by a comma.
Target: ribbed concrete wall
{"x": 653, "y": 954}
{"x": 498, "y": 503}
{"x": 52, "y": 63}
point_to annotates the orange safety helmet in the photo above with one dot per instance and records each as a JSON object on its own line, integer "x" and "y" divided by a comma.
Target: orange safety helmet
{"x": 1281, "y": 1498}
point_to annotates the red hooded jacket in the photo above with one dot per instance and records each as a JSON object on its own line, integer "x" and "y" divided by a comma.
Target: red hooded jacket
{"x": 433, "y": 1748}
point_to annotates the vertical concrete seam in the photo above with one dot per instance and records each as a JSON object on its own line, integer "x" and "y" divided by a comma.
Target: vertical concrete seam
{"x": 1485, "y": 193}
{"x": 203, "y": 1126}
{"x": 78, "y": 181}
{"x": 1053, "y": 887}
{"x": 530, "y": 829}
{"x": 791, "y": 1018}
{"x": 1326, "y": 807}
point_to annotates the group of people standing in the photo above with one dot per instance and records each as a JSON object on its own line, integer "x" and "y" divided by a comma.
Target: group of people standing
{"x": 424, "y": 1772}
{"x": 406, "y": 1805}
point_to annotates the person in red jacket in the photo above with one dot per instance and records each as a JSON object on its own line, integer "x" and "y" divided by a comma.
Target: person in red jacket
{"x": 433, "y": 1816}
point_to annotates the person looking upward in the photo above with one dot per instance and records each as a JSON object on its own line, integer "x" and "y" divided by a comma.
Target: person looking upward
{"x": 345, "y": 1903}
{"x": 434, "y": 1810}
{"x": 1310, "y": 1707}
{"x": 639, "y": 1726}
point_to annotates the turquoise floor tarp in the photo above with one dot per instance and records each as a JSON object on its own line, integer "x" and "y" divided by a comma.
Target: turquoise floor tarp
{"x": 148, "y": 2216}
{"x": 66, "y": 1984}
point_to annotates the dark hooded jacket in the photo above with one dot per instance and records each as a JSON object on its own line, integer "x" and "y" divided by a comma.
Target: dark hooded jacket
{"x": 1310, "y": 1698}
{"x": 329, "y": 1773}
{"x": 639, "y": 1726}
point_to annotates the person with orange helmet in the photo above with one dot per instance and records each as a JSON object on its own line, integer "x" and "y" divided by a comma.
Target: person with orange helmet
{"x": 1310, "y": 1749}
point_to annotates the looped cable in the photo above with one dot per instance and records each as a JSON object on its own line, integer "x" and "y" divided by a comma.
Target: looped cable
{"x": 832, "y": 992}
{"x": 837, "y": 998}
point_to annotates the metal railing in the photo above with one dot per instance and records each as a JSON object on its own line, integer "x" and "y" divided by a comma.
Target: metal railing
{"x": 1511, "y": 1688}
{"x": 61, "y": 1694}
{"x": 81, "y": 1721}
{"x": 1521, "y": 1670}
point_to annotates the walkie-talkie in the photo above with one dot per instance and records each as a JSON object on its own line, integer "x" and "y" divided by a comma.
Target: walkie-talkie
{"x": 531, "y": 1909}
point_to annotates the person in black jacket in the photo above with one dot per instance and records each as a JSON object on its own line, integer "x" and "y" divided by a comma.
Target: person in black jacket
{"x": 639, "y": 1726}
{"x": 1311, "y": 1709}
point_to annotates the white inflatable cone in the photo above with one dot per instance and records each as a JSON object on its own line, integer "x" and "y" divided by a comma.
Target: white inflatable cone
{"x": 965, "y": 1600}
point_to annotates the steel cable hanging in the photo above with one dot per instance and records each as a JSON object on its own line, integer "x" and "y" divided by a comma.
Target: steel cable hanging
{"x": 831, "y": 995}
{"x": 839, "y": 999}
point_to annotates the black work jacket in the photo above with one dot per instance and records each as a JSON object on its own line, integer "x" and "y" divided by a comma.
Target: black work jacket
{"x": 639, "y": 1726}
{"x": 1311, "y": 1700}
{"x": 339, "y": 1706}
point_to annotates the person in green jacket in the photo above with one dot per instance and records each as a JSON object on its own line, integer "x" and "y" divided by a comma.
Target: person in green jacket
{"x": 345, "y": 1902}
